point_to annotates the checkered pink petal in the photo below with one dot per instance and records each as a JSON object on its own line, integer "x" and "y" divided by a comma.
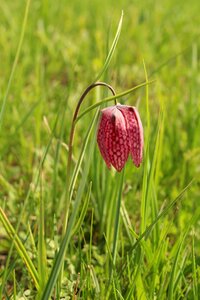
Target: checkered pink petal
{"x": 120, "y": 133}
{"x": 135, "y": 132}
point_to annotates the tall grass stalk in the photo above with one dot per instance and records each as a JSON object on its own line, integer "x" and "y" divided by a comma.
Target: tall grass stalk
{"x": 19, "y": 47}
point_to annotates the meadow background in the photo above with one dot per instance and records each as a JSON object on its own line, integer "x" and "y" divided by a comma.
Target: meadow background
{"x": 64, "y": 47}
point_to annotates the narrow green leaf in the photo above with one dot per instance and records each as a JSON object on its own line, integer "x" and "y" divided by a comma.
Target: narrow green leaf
{"x": 81, "y": 156}
{"x": 42, "y": 261}
{"x": 83, "y": 210}
{"x": 31, "y": 190}
{"x": 15, "y": 62}
{"x": 117, "y": 216}
{"x": 65, "y": 242}
{"x": 112, "y": 49}
{"x": 20, "y": 247}
{"x": 146, "y": 182}
{"x": 146, "y": 233}
{"x": 173, "y": 275}
{"x": 161, "y": 214}
{"x": 194, "y": 272}
{"x": 140, "y": 289}
{"x": 14, "y": 286}
{"x": 111, "y": 98}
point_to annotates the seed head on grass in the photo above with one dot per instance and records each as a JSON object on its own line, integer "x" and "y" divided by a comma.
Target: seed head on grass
{"x": 120, "y": 133}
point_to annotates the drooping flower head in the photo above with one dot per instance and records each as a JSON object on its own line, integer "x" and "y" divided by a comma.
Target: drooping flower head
{"x": 120, "y": 133}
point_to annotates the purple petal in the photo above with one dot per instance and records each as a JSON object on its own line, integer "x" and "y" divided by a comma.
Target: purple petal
{"x": 135, "y": 132}
{"x": 102, "y": 132}
{"x": 116, "y": 142}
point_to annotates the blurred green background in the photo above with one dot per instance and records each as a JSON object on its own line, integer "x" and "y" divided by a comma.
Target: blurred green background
{"x": 64, "y": 47}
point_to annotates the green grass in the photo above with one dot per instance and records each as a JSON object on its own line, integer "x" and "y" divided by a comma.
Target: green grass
{"x": 133, "y": 235}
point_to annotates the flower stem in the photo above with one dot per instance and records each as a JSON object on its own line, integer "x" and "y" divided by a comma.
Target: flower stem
{"x": 67, "y": 195}
{"x": 70, "y": 145}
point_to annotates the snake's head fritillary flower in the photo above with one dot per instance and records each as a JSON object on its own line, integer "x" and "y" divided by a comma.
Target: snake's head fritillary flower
{"x": 120, "y": 133}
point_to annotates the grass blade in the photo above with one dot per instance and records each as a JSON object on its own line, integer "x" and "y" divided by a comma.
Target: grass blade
{"x": 111, "y": 98}
{"x": 31, "y": 190}
{"x": 161, "y": 214}
{"x": 20, "y": 247}
{"x": 112, "y": 49}
{"x": 83, "y": 211}
{"x": 194, "y": 272}
{"x": 65, "y": 242}
{"x": 146, "y": 233}
{"x": 80, "y": 159}
{"x": 117, "y": 216}
{"x": 15, "y": 62}
{"x": 172, "y": 281}
{"x": 146, "y": 182}
{"x": 42, "y": 262}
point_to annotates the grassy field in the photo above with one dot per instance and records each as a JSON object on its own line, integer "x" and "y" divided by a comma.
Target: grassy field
{"x": 129, "y": 235}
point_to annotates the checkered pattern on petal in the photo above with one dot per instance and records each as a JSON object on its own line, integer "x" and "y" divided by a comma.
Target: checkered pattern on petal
{"x": 120, "y": 132}
{"x": 116, "y": 140}
{"x": 102, "y": 134}
{"x": 135, "y": 132}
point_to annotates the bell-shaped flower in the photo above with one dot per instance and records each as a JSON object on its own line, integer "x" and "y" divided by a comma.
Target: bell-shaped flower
{"x": 120, "y": 133}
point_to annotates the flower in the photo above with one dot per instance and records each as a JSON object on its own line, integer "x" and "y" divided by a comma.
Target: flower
{"x": 120, "y": 132}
